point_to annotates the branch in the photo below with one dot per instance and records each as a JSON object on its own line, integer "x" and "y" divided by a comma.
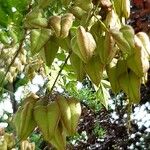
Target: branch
{"x": 60, "y": 72}
{"x": 14, "y": 58}
{"x": 19, "y": 49}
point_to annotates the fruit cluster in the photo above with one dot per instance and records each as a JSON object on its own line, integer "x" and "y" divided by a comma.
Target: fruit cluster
{"x": 25, "y": 145}
{"x": 7, "y": 141}
{"x": 55, "y": 119}
{"x": 98, "y": 44}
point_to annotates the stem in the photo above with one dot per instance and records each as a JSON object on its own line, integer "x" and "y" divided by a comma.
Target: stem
{"x": 15, "y": 145}
{"x": 104, "y": 26}
{"x": 91, "y": 13}
{"x": 60, "y": 72}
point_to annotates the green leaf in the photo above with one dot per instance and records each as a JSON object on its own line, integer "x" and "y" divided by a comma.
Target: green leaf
{"x": 21, "y": 82}
{"x": 4, "y": 37}
{"x": 19, "y": 5}
{"x": 3, "y": 18}
{"x": 61, "y": 56}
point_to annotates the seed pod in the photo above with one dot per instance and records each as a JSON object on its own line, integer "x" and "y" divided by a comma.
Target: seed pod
{"x": 35, "y": 13}
{"x": 12, "y": 70}
{"x": 130, "y": 83}
{"x": 35, "y": 19}
{"x": 23, "y": 119}
{"x": 94, "y": 68}
{"x": 50, "y": 51}
{"x": 126, "y": 8}
{"x": 9, "y": 77}
{"x": 77, "y": 11}
{"x": 128, "y": 33}
{"x": 112, "y": 20}
{"x": 3, "y": 144}
{"x": 65, "y": 112}
{"x": 23, "y": 58}
{"x": 122, "y": 67}
{"x": 66, "y": 24}
{"x": 118, "y": 7}
{"x": 145, "y": 41}
{"x": 10, "y": 139}
{"x": 78, "y": 66}
{"x": 138, "y": 62}
{"x": 44, "y": 3}
{"x": 86, "y": 5}
{"x": 38, "y": 38}
{"x": 112, "y": 76}
{"x": 65, "y": 2}
{"x": 49, "y": 124}
{"x": 38, "y": 113}
{"x": 121, "y": 41}
{"x": 107, "y": 49}
{"x": 75, "y": 48}
{"x": 134, "y": 88}
{"x": 59, "y": 139}
{"x": 25, "y": 145}
{"x": 86, "y": 44}
{"x": 75, "y": 108}
{"x": 55, "y": 23}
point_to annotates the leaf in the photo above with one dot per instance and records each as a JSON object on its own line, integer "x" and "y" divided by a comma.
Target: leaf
{"x": 3, "y": 18}
{"x": 4, "y": 37}
{"x": 21, "y": 6}
{"x": 21, "y": 82}
{"x": 39, "y": 38}
{"x": 112, "y": 73}
{"x": 6, "y": 13}
{"x": 106, "y": 83}
{"x": 61, "y": 56}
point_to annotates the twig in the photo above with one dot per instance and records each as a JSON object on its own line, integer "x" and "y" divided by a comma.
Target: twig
{"x": 19, "y": 49}
{"x": 101, "y": 22}
{"x": 18, "y": 142}
{"x": 60, "y": 72}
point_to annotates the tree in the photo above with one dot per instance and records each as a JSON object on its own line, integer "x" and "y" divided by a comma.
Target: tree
{"x": 66, "y": 42}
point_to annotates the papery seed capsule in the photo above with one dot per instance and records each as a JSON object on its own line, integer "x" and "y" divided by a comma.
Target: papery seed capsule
{"x": 112, "y": 20}
{"x": 66, "y": 23}
{"x": 126, "y": 8}
{"x": 86, "y": 43}
{"x": 9, "y": 77}
{"x": 54, "y": 23}
{"x": 145, "y": 41}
